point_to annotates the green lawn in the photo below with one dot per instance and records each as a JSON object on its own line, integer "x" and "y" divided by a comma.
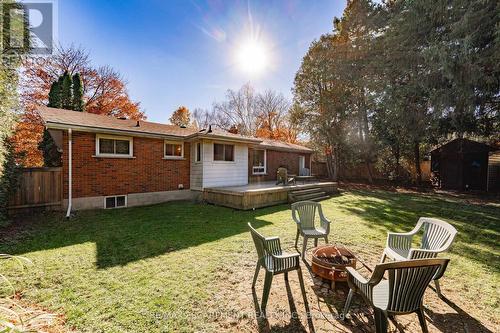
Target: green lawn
{"x": 167, "y": 267}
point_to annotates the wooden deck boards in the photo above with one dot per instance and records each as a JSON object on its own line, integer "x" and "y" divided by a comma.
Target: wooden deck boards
{"x": 258, "y": 195}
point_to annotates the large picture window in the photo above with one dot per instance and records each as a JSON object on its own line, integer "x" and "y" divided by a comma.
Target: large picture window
{"x": 223, "y": 152}
{"x": 174, "y": 149}
{"x": 259, "y": 162}
{"x": 113, "y": 146}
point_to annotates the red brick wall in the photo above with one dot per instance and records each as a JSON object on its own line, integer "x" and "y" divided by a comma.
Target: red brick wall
{"x": 147, "y": 172}
{"x": 274, "y": 160}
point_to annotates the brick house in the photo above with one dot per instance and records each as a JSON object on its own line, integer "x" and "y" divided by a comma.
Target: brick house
{"x": 109, "y": 162}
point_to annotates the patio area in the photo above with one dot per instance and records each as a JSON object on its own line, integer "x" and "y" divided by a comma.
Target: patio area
{"x": 265, "y": 194}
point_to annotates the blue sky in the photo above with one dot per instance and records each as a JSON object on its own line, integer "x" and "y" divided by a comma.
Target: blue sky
{"x": 182, "y": 52}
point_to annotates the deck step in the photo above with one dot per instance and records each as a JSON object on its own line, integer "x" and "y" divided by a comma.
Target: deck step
{"x": 314, "y": 194}
{"x": 306, "y": 191}
{"x": 309, "y": 196}
{"x": 321, "y": 198}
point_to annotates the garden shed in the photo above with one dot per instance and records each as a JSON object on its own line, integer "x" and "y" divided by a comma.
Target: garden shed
{"x": 461, "y": 164}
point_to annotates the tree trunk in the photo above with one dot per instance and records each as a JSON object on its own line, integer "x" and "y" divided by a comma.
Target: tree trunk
{"x": 365, "y": 136}
{"x": 369, "y": 169}
{"x": 416, "y": 149}
{"x": 331, "y": 167}
{"x": 397, "y": 157}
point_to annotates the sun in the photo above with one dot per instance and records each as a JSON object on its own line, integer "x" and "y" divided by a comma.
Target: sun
{"x": 252, "y": 57}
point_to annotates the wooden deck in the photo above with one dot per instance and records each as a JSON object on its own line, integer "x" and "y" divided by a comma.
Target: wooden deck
{"x": 260, "y": 195}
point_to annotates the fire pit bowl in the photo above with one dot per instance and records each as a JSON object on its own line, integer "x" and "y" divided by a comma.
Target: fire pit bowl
{"x": 330, "y": 262}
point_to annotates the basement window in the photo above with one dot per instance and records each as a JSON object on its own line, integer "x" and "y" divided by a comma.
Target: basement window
{"x": 116, "y": 201}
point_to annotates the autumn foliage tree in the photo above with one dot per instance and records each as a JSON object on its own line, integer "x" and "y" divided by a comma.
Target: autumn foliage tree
{"x": 247, "y": 112}
{"x": 103, "y": 91}
{"x": 181, "y": 117}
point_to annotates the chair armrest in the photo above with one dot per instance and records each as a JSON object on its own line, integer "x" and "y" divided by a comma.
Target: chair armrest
{"x": 294, "y": 217}
{"x": 361, "y": 284}
{"x": 399, "y": 240}
{"x": 355, "y": 275}
{"x": 272, "y": 245}
{"x": 325, "y": 223}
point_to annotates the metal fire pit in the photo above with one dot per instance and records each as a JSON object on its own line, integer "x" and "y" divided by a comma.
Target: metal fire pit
{"x": 330, "y": 262}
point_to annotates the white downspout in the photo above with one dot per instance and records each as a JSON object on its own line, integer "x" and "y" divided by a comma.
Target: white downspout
{"x": 70, "y": 173}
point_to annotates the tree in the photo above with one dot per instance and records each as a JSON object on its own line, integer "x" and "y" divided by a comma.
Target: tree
{"x": 321, "y": 100}
{"x": 238, "y": 110}
{"x": 181, "y": 117}
{"x": 9, "y": 106}
{"x": 78, "y": 103}
{"x": 66, "y": 86}
{"x": 247, "y": 112}
{"x": 273, "y": 121}
{"x": 55, "y": 95}
{"x": 202, "y": 118}
{"x": 104, "y": 92}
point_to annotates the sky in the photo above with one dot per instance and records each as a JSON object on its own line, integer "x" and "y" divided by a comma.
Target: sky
{"x": 190, "y": 52}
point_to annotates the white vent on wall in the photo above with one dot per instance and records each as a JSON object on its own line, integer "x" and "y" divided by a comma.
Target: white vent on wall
{"x": 115, "y": 201}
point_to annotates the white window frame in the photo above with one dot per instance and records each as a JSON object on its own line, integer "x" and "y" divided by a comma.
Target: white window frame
{"x": 198, "y": 149}
{"x": 173, "y": 157}
{"x": 259, "y": 167}
{"x": 114, "y": 137}
{"x": 115, "y": 196}
{"x": 224, "y": 144}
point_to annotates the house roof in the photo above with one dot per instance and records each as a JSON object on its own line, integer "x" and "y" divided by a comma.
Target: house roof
{"x": 280, "y": 145}
{"x": 83, "y": 121}
{"x": 63, "y": 119}
{"x": 462, "y": 145}
{"x": 54, "y": 118}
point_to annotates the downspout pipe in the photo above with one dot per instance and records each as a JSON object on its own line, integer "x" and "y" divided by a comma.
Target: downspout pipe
{"x": 70, "y": 172}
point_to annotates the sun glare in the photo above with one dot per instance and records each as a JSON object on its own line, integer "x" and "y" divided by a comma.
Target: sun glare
{"x": 252, "y": 57}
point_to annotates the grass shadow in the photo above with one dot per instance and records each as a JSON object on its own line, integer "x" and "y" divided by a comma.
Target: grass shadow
{"x": 478, "y": 226}
{"x": 126, "y": 235}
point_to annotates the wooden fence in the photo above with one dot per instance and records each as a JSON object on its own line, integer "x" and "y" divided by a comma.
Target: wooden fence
{"x": 38, "y": 187}
{"x": 360, "y": 172}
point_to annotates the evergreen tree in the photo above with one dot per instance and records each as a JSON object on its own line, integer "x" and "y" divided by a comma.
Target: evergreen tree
{"x": 78, "y": 104}
{"x": 66, "y": 92}
{"x": 55, "y": 95}
{"x": 51, "y": 156}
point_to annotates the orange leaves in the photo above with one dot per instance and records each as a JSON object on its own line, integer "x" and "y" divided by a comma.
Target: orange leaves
{"x": 105, "y": 92}
{"x": 181, "y": 116}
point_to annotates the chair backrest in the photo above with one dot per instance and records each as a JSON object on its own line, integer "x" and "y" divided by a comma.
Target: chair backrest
{"x": 282, "y": 172}
{"x": 408, "y": 280}
{"x": 305, "y": 213}
{"x": 304, "y": 172}
{"x": 438, "y": 234}
{"x": 258, "y": 240}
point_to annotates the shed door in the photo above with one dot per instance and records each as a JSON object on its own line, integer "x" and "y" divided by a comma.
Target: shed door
{"x": 475, "y": 171}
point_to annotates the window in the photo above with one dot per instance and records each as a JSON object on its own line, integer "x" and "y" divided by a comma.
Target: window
{"x": 198, "y": 151}
{"x": 117, "y": 201}
{"x": 223, "y": 152}
{"x": 174, "y": 149}
{"x": 113, "y": 146}
{"x": 259, "y": 162}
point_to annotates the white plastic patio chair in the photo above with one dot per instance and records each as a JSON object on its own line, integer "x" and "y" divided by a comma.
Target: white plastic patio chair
{"x": 304, "y": 213}
{"x": 437, "y": 237}
{"x": 274, "y": 261}
{"x": 401, "y": 293}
